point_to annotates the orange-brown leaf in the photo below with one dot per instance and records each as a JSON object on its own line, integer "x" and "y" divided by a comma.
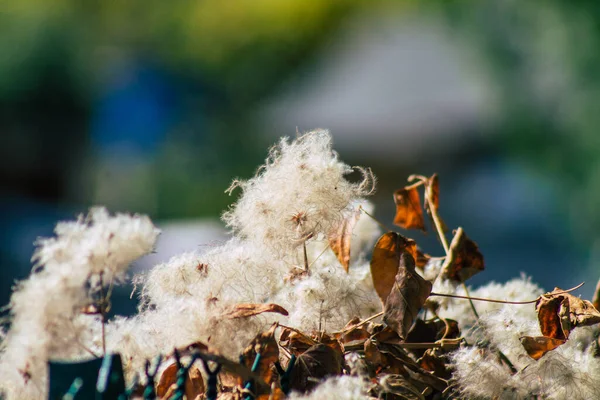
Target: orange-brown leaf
{"x": 432, "y": 360}
{"x": 386, "y": 260}
{"x": 548, "y": 308}
{"x": 249, "y": 309}
{"x": 409, "y": 214}
{"x": 194, "y": 384}
{"x": 559, "y": 313}
{"x": 265, "y": 344}
{"x": 536, "y": 347}
{"x": 167, "y": 378}
{"x": 422, "y": 259}
{"x": 340, "y": 238}
{"x": 295, "y": 342}
{"x": 408, "y": 294}
{"x": 464, "y": 260}
{"x": 276, "y": 394}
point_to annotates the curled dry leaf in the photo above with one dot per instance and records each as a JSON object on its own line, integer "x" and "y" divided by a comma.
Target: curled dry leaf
{"x": 194, "y": 383}
{"x": 295, "y": 342}
{"x": 379, "y": 362}
{"x": 431, "y": 331}
{"x": 537, "y": 346}
{"x": 421, "y": 259}
{"x": 408, "y": 294}
{"x": 330, "y": 341}
{"x": 340, "y": 238}
{"x": 386, "y": 260}
{"x": 353, "y": 331}
{"x": 312, "y": 366}
{"x": 433, "y": 360}
{"x": 464, "y": 259}
{"x": 413, "y": 369}
{"x": 234, "y": 372}
{"x": 167, "y": 378}
{"x": 559, "y": 313}
{"x": 249, "y": 309}
{"x": 265, "y": 345}
{"x": 409, "y": 214}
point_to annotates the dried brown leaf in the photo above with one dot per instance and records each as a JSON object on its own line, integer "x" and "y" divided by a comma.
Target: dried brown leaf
{"x": 559, "y": 313}
{"x": 431, "y": 331}
{"x": 378, "y": 362}
{"x": 386, "y": 260}
{"x": 408, "y": 294}
{"x": 464, "y": 260}
{"x": 250, "y": 309}
{"x": 422, "y": 259}
{"x": 316, "y": 363}
{"x": 265, "y": 345}
{"x": 276, "y": 394}
{"x": 354, "y": 330}
{"x": 194, "y": 383}
{"x": 234, "y": 372}
{"x": 340, "y": 238}
{"x": 413, "y": 369}
{"x": 167, "y": 378}
{"x": 536, "y": 347}
{"x": 330, "y": 341}
{"x": 295, "y": 342}
{"x": 409, "y": 214}
{"x": 385, "y": 334}
{"x": 433, "y": 361}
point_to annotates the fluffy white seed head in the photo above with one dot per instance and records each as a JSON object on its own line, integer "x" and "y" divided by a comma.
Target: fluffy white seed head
{"x": 568, "y": 372}
{"x": 44, "y": 308}
{"x": 338, "y": 388}
{"x": 299, "y": 193}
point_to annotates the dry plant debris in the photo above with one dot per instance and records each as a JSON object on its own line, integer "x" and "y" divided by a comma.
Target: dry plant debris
{"x": 421, "y": 338}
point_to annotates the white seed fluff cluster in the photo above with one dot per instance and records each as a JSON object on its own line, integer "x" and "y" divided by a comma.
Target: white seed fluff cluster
{"x": 569, "y": 372}
{"x": 299, "y": 195}
{"x": 338, "y": 388}
{"x": 295, "y": 201}
{"x": 44, "y": 308}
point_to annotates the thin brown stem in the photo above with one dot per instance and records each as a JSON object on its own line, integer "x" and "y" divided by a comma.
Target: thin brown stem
{"x": 83, "y": 346}
{"x": 319, "y": 256}
{"x": 361, "y": 323}
{"x": 415, "y": 185}
{"x": 437, "y": 222}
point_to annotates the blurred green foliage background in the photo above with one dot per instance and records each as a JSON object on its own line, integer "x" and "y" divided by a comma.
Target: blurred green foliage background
{"x": 154, "y": 107}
